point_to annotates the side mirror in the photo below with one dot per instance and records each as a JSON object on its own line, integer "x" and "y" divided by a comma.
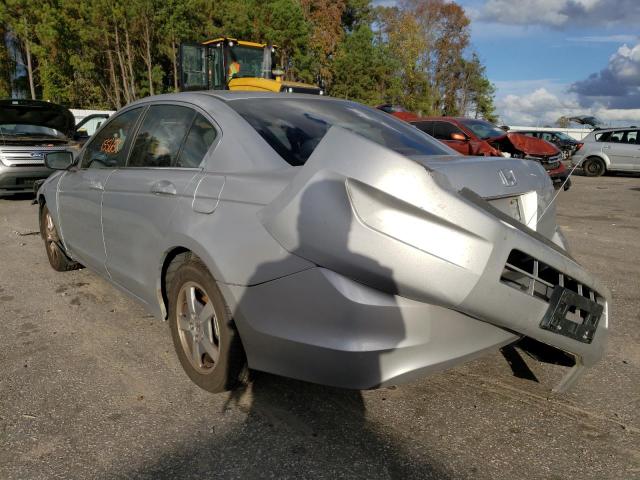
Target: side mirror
{"x": 58, "y": 160}
{"x": 459, "y": 136}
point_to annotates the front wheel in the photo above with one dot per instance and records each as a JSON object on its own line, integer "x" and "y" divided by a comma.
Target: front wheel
{"x": 58, "y": 259}
{"x": 593, "y": 167}
{"x": 204, "y": 336}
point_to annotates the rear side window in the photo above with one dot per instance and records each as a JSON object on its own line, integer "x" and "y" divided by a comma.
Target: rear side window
{"x": 200, "y": 138}
{"x": 615, "y": 137}
{"x": 633, "y": 137}
{"x": 161, "y": 135}
{"x": 443, "y": 130}
{"x": 294, "y": 127}
{"x": 426, "y": 127}
{"x": 108, "y": 149}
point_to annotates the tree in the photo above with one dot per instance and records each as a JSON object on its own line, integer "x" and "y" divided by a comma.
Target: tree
{"x": 107, "y": 53}
{"x": 325, "y": 19}
{"x": 476, "y": 91}
{"x": 363, "y": 70}
{"x": 20, "y": 18}
{"x": 5, "y": 63}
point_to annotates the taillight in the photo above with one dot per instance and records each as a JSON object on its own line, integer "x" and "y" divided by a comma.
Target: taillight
{"x": 578, "y": 146}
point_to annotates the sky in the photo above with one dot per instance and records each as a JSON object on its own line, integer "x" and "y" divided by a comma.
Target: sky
{"x": 549, "y": 58}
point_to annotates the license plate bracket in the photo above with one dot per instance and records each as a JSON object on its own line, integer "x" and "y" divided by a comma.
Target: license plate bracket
{"x": 562, "y": 301}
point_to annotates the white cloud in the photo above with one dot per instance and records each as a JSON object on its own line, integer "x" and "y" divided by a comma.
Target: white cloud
{"x": 542, "y": 107}
{"x": 612, "y": 95}
{"x": 617, "y": 85}
{"x": 604, "y": 39}
{"x": 560, "y": 13}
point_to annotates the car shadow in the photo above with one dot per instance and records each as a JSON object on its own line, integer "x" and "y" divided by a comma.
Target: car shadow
{"x": 18, "y": 196}
{"x": 580, "y": 173}
{"x": 293, "y": 429}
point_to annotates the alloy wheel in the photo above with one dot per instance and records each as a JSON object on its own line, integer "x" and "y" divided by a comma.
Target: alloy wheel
{"x": 198, "y": 327}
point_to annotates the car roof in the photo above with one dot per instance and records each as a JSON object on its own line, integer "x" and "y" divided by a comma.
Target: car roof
{"x": 617, "y": 129}
{"x": 455, "y": 119}
{"x": 226, "y": 96}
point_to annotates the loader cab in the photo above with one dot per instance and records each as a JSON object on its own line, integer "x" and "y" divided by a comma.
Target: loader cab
{"x": 230, "y": 64}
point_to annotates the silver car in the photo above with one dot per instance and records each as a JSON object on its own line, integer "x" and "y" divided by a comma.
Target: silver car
{"x": 612, "y": 149}
{"x": 318, "y": 239}
{"x": 28, "y": 130}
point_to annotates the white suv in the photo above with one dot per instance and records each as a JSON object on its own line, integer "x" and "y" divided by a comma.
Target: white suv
{"x": 615, "y": 149}
{"x": 28, "y": 130}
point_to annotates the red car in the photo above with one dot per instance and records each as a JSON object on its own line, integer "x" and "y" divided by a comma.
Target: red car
{"x": 471, "y": 136}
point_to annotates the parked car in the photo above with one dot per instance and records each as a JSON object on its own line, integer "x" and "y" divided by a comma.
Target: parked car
{"x": 318, "y": 239}
{"x": 611, "y": 149}
{"x": 28, "y": 130}
{"x": 567, "y": 145}
{"x": 471, "y": 136}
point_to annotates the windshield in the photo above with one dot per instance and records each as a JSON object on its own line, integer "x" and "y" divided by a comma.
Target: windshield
{"x": 20, "y": 130}
{"x": 483, "y": 129}
{"x": 244, "y": 61}
{"x": 294, "y": 127}
{"x": 564, "y": 136}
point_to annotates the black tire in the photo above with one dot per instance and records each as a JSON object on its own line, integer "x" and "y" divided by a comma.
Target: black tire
{"x": 58, "y": 259}
{"x": 193, "y": 339}
{"x": 594, "y": 167}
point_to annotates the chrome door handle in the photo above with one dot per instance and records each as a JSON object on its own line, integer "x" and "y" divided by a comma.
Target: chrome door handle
{"x": 163, "y": 187}
{"x": 96, "y": 185}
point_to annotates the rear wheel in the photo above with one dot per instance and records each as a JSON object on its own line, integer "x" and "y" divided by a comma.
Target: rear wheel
{"x": 58, "y": 259}
{"x": 594, "y": 167}
{"x": 204, "y": 336}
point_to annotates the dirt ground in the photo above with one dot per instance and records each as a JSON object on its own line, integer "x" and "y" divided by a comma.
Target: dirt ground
{"x": 90, "y": 386}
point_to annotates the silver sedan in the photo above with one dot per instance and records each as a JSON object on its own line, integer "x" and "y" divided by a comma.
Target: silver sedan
{"x": 318, "y": 239}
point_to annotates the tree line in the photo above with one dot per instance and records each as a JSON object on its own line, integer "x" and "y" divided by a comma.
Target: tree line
{"x": 106, "y": 53}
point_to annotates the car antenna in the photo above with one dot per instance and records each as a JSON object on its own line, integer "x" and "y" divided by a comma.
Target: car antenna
{"x": 555, "y": 196}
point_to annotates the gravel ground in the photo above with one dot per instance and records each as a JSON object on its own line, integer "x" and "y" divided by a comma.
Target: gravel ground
{"x": 90, "y": 386}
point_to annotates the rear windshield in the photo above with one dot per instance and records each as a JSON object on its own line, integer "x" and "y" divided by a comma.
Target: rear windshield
{"x": 294, "y": 127}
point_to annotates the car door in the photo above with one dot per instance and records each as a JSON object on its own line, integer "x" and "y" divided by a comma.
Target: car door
{"x": 632, "y": 139}
{"x": 80, "y": 190}
{"x": 88, "y": 126}
{"x": 618, "y": 150}
{"x": 140, "y": 199}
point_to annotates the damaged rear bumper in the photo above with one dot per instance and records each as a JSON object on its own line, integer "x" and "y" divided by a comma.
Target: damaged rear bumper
{"x": 385, "y": 223}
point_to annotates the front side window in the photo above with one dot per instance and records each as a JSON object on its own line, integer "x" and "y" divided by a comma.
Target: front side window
{"x": 547, "y": 136}
{"x": 245, "y": 61}
{"x": 161, "y": 134}
{"x": 108, "y": 149}
{"x": 443, "y": 130}
{"x": 294, "y": 127}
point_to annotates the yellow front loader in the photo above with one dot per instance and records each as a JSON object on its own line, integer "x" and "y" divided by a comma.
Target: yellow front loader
{"x": 229, "y": 64}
